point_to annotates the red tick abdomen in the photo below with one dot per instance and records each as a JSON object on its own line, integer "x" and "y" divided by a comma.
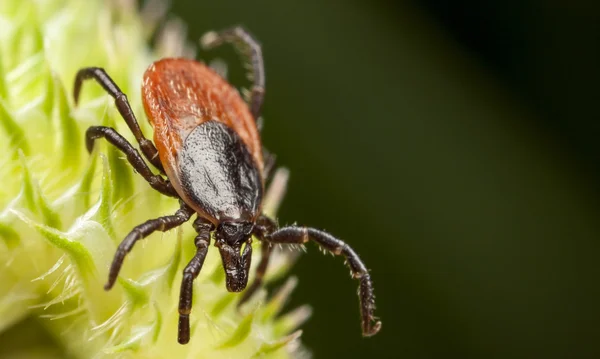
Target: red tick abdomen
{"x": 180, "y": 94}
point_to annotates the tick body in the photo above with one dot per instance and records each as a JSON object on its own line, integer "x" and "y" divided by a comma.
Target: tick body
{"x": 208, "y": 153}
{"x": 207, "y": 140}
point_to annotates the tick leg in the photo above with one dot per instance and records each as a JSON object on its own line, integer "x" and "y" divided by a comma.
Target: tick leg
{"x": 142, "y": 231}
{"x": 247, "y": 45}
{"x": 263, "y": 226}
{"x": 300, "y": 235}
{"x": 269, "y": 159}
{"x": 266, "y": 251}
{"x": 189, "y": 274}
{"x": 123, "y": 106}
{"x": 133, "y": 156}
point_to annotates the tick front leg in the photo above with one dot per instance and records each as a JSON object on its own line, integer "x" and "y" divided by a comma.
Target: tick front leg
{"x": 123, "y": 106}
{"x": 266, "y": 251}
{"x": 142, "y": 231}
{"x": 248, "y": 46}
{"x": 300, "y": 235}
{"x": 133, "y": 156}
{"x": 264, "y": 225}
{"x": 190, "y": 273}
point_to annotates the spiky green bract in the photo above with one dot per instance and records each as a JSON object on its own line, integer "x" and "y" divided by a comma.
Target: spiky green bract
{"x": 63, "y": 211}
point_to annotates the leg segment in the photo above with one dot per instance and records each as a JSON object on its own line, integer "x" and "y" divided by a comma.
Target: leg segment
{"x": 269, "y": 160}
{"x": 190, "y": 273}
{"x": 123, "y": 106}
{"x": 264, "y": 225}
{"x": 266, "y": 251}
{"x": 299, "y": 235}
{"x": 133, "y": 156}
{"x": 249, "y": 47}
{"x": 142, "y": 231}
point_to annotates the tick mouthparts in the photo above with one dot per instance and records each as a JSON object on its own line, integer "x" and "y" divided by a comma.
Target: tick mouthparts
{"x": 236, "y": 264}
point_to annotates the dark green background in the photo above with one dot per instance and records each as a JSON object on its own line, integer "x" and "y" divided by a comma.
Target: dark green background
{"x": 455, "y": 145}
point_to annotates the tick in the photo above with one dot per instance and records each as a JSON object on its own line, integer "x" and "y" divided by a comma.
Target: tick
{"x": 207, "y": 145}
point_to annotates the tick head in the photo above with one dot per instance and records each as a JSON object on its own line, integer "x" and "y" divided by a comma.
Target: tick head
{"x": 230, "y": 238}
{"x": 234, "y": 232}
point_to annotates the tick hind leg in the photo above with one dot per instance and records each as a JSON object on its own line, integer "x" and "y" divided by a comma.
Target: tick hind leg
{"x": 133, "y": 156}
{"x": 123, "y": 106}
{"x": 269, "y": 159}
{"x": 247, "y": 45}
{"x": 301, "y": 235}
{"x": 142, "y": 231}
{"x": 190, "y": 273}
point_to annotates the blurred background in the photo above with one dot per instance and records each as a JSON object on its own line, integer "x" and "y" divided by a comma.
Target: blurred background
{"x": 455, "y": 145}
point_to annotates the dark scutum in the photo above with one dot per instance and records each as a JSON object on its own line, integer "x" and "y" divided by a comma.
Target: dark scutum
{"x": 218, "y": 173}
